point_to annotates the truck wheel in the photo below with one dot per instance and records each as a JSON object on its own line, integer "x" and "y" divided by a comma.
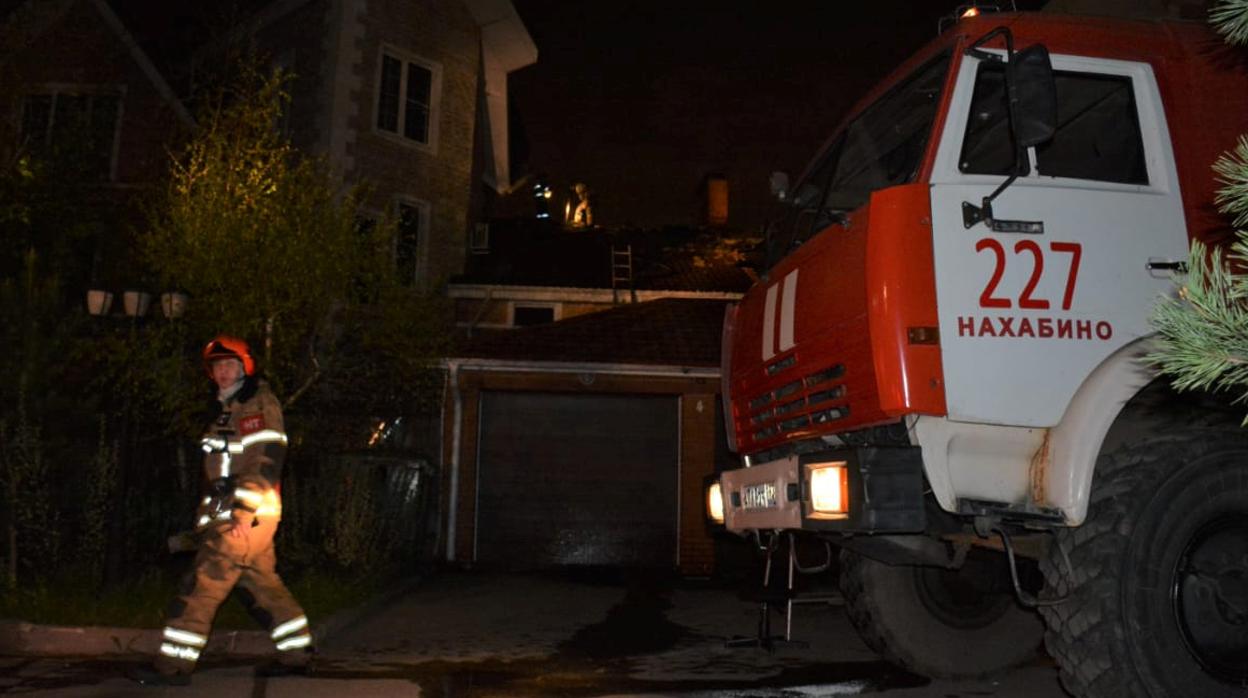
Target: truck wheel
{"x": 938, "y": 622}
{"x": 1157, "y": 577}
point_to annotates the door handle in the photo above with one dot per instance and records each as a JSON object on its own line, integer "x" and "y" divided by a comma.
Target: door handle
{"x": 1164, "y": 268}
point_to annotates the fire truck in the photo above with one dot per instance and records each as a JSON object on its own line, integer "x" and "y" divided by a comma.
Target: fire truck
{"x": 941, "y": 370}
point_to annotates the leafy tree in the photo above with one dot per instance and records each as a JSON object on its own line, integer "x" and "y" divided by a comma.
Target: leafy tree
{"x": 269, "y": 248}
{"x": 1203, "y": 332}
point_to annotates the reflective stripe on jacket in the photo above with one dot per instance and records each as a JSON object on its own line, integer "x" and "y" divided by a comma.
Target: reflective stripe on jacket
{"x": 244, "y": 449}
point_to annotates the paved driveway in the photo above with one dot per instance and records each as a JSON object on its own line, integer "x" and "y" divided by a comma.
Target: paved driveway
{"x": 580, "y": 635}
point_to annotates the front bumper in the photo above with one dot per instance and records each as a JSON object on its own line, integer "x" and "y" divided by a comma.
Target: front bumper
{"x": 884, "y": 493}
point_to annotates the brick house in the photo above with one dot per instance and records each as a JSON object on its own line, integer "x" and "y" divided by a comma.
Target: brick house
{"x": 79, "y": 93}
{"x": 71, "y": 63}
{"x": 409, "y": 98}
{"x": 605, "y": 409}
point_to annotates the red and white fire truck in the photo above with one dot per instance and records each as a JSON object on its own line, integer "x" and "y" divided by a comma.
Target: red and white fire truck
{"x": 940, "y": 369}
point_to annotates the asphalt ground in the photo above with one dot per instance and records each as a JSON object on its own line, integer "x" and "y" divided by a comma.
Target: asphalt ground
{"x": 577, "y": 634}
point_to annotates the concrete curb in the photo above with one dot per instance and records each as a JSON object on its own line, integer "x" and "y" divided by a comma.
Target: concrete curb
{"x": 31, "y": 640}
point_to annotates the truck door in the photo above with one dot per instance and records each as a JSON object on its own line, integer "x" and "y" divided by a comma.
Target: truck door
{"x": 1024, "y": 317}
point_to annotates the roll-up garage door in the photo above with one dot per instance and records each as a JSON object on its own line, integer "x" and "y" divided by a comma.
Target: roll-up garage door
{"x": 577, "y": 479}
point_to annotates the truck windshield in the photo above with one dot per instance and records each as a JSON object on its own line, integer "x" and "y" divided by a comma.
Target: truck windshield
{"x": 882, "y": 147}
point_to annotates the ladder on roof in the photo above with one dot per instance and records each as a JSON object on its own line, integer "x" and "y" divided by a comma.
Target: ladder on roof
{"x": 622, "y": 272}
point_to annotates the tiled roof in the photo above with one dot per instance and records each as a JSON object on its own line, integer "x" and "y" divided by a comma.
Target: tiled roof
{"x": 665, "y": 332}
{"x": 666, "y": 260}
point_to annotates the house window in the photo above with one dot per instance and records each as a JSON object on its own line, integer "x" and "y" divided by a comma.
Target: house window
{"x": 77, "y": 124}
{"x": 407, "y": 97}
{"x": 412, "y": 229}
{"x": 532, "y": 314}
{"x": 480, "y": 242}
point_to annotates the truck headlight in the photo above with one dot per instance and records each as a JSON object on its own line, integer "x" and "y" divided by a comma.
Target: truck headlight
{"x": 829, "y": 487}
{"x": 715, "y": 503}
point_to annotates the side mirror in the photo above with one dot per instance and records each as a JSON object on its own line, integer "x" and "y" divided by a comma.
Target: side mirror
{"x": 1033, "y": 96}
{"x": 779, "y": 182}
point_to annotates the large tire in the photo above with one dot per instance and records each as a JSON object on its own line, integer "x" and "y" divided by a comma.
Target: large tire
{"x": 1157, "y": 576}
{"x": 936, "y": 622}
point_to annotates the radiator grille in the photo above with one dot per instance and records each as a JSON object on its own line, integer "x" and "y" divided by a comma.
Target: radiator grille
{"x": 816, "y": 399}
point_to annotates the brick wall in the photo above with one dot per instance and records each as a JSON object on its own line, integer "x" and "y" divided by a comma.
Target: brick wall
{"x": 300, "y": 38}
{"x": 443, "y": 32}
{"x": 697, "y": 461}
{"x": 336, "y": 46}
{"x": 473, "y": 310}
{"x": 574, "y": 309}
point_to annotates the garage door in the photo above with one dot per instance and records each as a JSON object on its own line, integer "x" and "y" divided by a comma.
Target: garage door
{"x": 577, "y": 480}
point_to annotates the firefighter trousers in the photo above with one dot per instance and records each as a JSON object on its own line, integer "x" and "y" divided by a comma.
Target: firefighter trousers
{"x": 223, "y": 564}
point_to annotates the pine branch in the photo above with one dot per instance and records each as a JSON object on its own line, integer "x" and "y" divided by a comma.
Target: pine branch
{"x": 1203, "y": 331}
{"x": 1232, "y": 171}
{"x": 1230, "y": 18}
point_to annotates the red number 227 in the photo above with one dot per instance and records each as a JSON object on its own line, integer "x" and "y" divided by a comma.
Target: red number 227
{"x": 1026, "y": 300}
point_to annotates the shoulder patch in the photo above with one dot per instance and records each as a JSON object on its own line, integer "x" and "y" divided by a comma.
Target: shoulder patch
{"x": 251, "y": 424}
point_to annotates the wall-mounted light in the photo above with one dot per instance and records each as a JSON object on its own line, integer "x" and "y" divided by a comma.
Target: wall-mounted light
{"x": 99, "y": 301}
{"x": 136, "y": 303}
{"x": 173, "y": 304}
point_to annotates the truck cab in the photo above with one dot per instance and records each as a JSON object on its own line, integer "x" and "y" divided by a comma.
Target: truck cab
{"x": 944, "y": 357}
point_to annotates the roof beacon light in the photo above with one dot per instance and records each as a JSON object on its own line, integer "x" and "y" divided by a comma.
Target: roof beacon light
{"x": 971, "y": 10}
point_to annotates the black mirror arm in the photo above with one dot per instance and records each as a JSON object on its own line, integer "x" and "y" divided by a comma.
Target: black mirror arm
{"x": 974, "y": 49}
{"x": 973, "y": 215}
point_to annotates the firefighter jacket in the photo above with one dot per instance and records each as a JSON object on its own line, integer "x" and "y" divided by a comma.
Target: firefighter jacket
{"x": 244, "y": 448}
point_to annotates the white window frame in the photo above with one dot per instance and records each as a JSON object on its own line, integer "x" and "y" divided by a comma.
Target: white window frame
{"x": 435, "y": 98}
{"x": 425, "y": 211}
{"x": 556, "y": 311}
{"x": 55, "y": 89}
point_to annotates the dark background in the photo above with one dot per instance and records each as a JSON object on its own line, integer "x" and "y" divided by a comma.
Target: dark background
{"x": 641, "y": 100}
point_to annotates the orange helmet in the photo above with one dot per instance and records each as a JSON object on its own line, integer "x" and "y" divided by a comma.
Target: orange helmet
{"x": 227, "y": 347}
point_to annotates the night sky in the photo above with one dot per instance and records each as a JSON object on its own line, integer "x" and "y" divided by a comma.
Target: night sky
{"x": 642, "y": 99}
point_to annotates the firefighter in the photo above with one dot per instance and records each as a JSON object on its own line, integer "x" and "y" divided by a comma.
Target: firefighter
{"x": 244, "y": 447}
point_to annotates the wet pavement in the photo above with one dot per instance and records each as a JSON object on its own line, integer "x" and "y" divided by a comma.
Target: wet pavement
{"x": 581, "y": 634}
